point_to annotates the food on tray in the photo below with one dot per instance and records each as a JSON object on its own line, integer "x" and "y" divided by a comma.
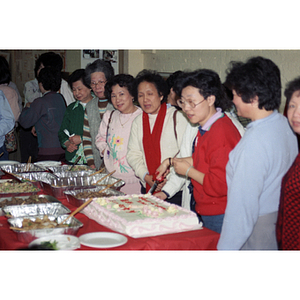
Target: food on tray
{"x": 39, "y": 223}
{"x": 33, "y": 199}
{"x": 17, "y": 187}
{"x": 91, "y": 194}
{"x": 141, "y": 215}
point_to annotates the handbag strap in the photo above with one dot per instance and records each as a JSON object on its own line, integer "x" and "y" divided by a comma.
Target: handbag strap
{"x": 109, "y": 120}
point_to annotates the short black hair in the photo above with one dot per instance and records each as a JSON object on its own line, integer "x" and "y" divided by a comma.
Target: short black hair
{"x": 77, "y": 75}
{"x": 291, "y": 87}
{"x": 99, "y": 65}
{"x": 49, "y": 59}
{"x": 123, "y": 80}
{"x": 5, "y": 75}
{"x": 208, "y": 82}
{"x": 50, "y": 78}
{"x": 154, "y": 78}
{"x": 172, "y": 78}
{"x": 259, "y": 77}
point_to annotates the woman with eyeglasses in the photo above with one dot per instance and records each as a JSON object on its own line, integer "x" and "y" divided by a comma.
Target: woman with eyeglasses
{"x": 203, "y": 100}
{"x": 97, "y": 74}
{"x": 156, "y": 133}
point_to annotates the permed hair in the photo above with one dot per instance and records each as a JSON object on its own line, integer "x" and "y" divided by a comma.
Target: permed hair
{"x": 259, "y": 77}
{"x": 154, "y": 78}
{"x": 123, "y": 80}
{"x": 208, "y": 82}
{"x": 99, "y": 65}
{"x": 77, "y": 75}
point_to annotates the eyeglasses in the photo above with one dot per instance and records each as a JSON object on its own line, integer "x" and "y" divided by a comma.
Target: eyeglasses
{"x": 192, "y": 104}
{"x": 99, "y": 82}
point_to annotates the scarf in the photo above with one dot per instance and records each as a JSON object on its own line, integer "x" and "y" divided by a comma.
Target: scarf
{"x": 151, "y": 141}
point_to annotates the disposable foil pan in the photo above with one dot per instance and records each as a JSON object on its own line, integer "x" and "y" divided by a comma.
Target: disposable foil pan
{"x": 58, "y": 191}
{"x": 74, "y": 199}
{"x": 73, "y": 173}
{"x": 21, "y": 168}
{"x": 30, "y": 235}
{"x": 10, "y": 193}
{"x": 37, "y": 178}
{"x": 69, "y": 180}
{"x": 66, "y": 168}
{"x": 57, "y": 186}
{"x": 49, "y": 198}
{"x": 50, "y": 209}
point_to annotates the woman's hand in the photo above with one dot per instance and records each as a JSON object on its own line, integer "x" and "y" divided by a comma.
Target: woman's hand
{"x": 161, "y": 195}
{"x": 70, "y": 146}
{"x": 163, "y": 170}
{"x": 182, "y": 164}
{"x": 75, "y": 139}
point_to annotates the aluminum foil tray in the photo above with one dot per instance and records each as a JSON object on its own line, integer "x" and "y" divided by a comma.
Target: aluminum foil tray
{"x": 37, "y": 177}
{"x": 26, "y": 236}
{"x": 74, "y": 198}
{"x": 52, "y": 209}
{"x": 57, "y": 186}
{"x": 66, "y": 168}
{"x": 69, "y": 180}
{"x": 49, "y": 198}
{"x": 10, "y": 192}
{"x": 58, "y": 191}
{"x": 21, "y": 168}
{"x": 73, "y": 174}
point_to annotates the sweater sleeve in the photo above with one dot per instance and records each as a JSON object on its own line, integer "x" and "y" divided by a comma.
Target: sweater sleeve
{"x": 30, "y": 115}
{"x": 7, "y": 121}
{"x": 245, "y": 184}
{"x": 87, "y": 141}
{"x": 64, "y": 125}
{"x": 102, "y": 132}
{"x": 135, "y": 151}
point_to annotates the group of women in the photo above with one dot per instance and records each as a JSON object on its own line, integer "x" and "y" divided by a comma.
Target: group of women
{"x": 193, "y": 151}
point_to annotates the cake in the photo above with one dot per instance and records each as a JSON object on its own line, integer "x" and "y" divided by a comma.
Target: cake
{"x": 141, "y": 215}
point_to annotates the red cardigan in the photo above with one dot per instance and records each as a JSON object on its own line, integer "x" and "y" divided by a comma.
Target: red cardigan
{"x": 210, "y": 157}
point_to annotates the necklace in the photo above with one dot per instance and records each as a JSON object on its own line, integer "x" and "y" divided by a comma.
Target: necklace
{"x": 122, "y": 124}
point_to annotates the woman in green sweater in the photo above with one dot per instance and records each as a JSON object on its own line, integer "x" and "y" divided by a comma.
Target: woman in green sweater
{"x": 71, "y": 130}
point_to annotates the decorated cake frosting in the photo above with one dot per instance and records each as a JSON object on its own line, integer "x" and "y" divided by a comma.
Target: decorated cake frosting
{"x": 140, "y": 215}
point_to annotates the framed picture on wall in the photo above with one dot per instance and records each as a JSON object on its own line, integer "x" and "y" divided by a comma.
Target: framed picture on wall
{"x": 89, "y": 56}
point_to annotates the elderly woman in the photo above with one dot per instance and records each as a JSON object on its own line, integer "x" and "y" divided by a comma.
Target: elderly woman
{"x": 157, "y": 133}
{"x": 73, "y": 118}
{"x": 204, "y": 101}
{"x": 259, "y": 161}
{"x": 114, "y": 131}
{"x": 97, "y": 74}
{"x": 288, "y": 222}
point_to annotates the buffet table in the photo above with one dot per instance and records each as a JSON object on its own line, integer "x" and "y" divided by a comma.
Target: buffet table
{"x": 202, "y": 239}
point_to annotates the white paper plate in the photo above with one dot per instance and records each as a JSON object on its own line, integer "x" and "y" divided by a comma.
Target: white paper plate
{"x": 48, "y": 163}
{"x": 64, "y": 241}
{"x": 102, "y": 239}
{"x": 9, "y": 162}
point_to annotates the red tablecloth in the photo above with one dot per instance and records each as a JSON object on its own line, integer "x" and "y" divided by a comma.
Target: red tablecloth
{"x": 202, "y": 239}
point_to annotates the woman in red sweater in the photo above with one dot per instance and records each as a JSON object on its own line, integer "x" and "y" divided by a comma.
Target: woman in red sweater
{"x": 204, "y": 101}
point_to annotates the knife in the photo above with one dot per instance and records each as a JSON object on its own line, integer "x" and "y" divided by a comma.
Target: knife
{"x": 154, "y": 186}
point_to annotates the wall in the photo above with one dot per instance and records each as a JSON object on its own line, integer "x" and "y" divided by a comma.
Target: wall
{"x": 167, "y": 61}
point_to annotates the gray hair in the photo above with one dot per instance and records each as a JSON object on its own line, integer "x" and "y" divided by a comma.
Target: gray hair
{"x": 99, "y": 65}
